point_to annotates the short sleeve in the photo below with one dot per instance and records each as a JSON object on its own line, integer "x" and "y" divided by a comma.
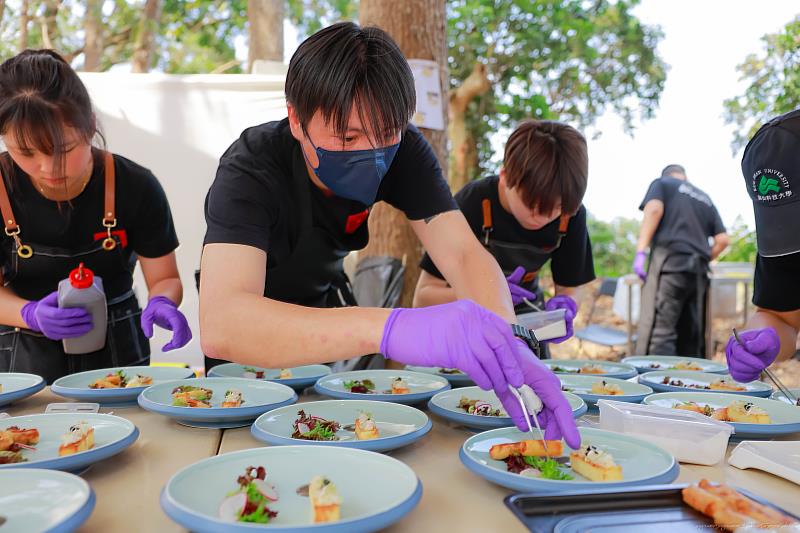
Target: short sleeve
{"x": 414, "y": 183}
{"x": 242, "y": 205}
{"x": 717, "y": 226}
{"x": 572, "y": 263}
{"x": 152, "y": 233}
{"x": 776, "y": 285}
{"x": 654, "y": 192}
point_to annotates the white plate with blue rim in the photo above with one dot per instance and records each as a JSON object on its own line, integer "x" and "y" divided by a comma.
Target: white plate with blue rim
{"x": 591, "y": 367}
{"x": 482, "y": 409}
{"x": 258, "y": 398}
{"x": 375, "y": 490}
{"x": 651, "y": 363}
{"x": 642, "y": 463}
{"x": 784, "y": 418}
{"x": 112, "y": 435}
{"x": 43, "y": 500}
{"x": 79, "y": 386}
{"x": 691, "y": 381}
{"x": 456, "y": 377}
{"x": 377, "y": 385}
{"x": 398, "y": 425}
{"x": 15, "y": 386}
{"x": 781, "y": 397}
{"x": 595, "y": 388}
{"x": 298, "y": 377}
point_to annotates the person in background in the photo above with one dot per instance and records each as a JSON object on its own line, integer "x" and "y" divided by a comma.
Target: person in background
{"x": 66, "y": 201}
{"x": 291, "y": 198}
{"x": 771, "y": 170}
{"x": 529, "y": 214}
{"x": 678, "y": 221}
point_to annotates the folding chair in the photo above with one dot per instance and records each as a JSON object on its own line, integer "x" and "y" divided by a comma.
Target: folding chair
{"x": 605, "y": 335}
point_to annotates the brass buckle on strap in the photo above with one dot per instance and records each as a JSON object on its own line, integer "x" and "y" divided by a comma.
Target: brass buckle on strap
{"x": 23, "y": 250}
{"x": 109, "y": 243}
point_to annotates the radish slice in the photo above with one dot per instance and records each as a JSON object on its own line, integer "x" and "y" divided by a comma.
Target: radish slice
{"x": 303, "y": 428}
{"x": 530, "y": 472}
{"x": 267, "y": 490}
{"x": 231, "y": 507}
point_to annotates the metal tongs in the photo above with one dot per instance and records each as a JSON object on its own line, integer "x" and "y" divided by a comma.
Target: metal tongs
{"x": 778, "y": 383}
{"x": 530, "y": 404}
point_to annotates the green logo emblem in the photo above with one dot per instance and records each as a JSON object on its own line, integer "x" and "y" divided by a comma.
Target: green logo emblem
{"x": 767, "y": 185}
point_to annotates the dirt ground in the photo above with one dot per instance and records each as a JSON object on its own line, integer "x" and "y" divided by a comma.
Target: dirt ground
{"x": 787, "y": 371}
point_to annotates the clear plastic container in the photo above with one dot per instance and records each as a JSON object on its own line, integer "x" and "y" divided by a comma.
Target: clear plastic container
{"x": 545, "y": 325}
{"x": 690, "y": 437}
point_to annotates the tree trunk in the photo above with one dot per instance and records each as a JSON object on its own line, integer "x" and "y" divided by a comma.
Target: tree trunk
{"x": 24, "y": 19}
{"x": 265, "y": 31}
{"x": 146, "y": 36}
{"x": 93, "y": 29}
{"x": 464, "y": 150}
{"x": 49, "y": 27}
{"x": 418, "y": 27}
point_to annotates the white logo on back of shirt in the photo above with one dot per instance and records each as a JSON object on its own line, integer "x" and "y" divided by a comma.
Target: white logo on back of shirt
{"x": 688, "y": 190}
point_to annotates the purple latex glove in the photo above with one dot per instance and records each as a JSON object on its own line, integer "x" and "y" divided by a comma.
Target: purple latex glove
{"x": 55, "y": 323}
{"x": 163, "y": 312}
{"x": 556, "y": 415}
{"x": 638, "y": 265}
{"x": 571, "y": 309}
{"x": 761, "y": 347}
{"x": 518, "y": 294}
{"x": 466, "y": 336}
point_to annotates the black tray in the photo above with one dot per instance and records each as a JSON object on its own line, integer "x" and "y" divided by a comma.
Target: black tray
{"x": 654, "y": 508}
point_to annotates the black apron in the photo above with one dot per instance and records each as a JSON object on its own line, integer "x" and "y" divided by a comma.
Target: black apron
{"x": 647, "y": 314}
{"x": 313, "y": 273}
{"x": 23, "y": 350}
{"x": 510, "y": 255}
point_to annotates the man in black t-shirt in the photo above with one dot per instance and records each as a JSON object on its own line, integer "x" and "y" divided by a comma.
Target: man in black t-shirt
{"x": 292, "y": 198}
{"x": 678, "y": 221}
{"x": 530, "y": 214}
{"x": 771, "y": 169}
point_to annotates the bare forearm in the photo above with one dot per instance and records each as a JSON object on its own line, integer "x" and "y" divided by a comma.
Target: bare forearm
{"x": 428, "y": 295}
{"x": 10, "y": 308}
{"x": 717, "y": 249}
{"x": 646, "y": 232}
{"x": 250, "y": 329}
{"x": 787, "y": 333}
{"x": 172, "y": 288}
{"x": 480, "y": 279}
{"x": 572, "y": 292}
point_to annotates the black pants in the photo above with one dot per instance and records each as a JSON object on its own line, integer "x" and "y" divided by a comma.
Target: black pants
{"x": 678, "y": 326}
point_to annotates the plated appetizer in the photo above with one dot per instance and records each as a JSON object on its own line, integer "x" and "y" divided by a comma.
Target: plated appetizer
{"x": 478, "y": 407}
{"x": 325, "y": 500}
{"x": 585, "y": 369}
{"x": 605, "y": 388}
{"x": 399, "y": 386}
{"x": 595, "y": 464}
{"x": 731, "y": 510}
{"x": 233, "y": 398}
{"x": 314, "y": 428}
{"x": 252, "y": 373}
{"x": 738, "y": 411}
{"x": 13, "y": 441}
{"x": 118, "y": 380}
{"x": 249, "y": 502}
{"x": 359, "y": 386}
{"x": 79, "y": 438}
{"x": 365, "y": 427}
{"x": 718, "y": 384}
{"x": 190, "y": 396}
{"x": 528, "y": 458}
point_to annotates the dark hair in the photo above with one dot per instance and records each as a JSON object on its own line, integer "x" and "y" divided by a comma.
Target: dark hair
{"x": 343, "y": 65}
{"x": 673, "y": 169}
{"x": 40, "y": 94}
{"x": 548, "y": 163}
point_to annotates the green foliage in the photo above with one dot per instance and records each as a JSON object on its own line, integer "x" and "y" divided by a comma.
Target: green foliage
{"x": 613, "y": 245}
{"x": 309, "y": 16}
{"x": 774, "y": 84}
{"x": 743, "y": 247}
{"x": 566, "y": 60}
